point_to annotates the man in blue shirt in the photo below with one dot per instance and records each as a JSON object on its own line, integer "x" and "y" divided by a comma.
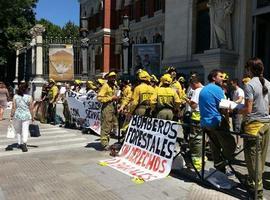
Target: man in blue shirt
{"x": 214, "y": 122}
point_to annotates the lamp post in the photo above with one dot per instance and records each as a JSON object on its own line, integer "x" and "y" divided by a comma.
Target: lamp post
{"x": 125, "y": 43}
{"x": 84, "y": 46}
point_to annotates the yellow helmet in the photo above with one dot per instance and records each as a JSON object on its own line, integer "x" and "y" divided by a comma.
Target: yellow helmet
{"x": 91, "y": 85}
{"x": 144, "y": 76}
{"x": 181, "y": 79}
{"x": 166, "y": 78}
{"x": 101, "y": 81}
{"x": 111, "y": 74}
{"x": 52, "y": 81}
{"x": 154, "y": 78}
{"x": 225, "y": 76}
{"x": 77, "y": 81}
{"x": 246, "y": 80}
{"x": 170, "y": 69}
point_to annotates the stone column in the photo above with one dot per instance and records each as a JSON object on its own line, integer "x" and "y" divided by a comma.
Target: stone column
{"x": 93, "y": 65}
{"x": 18, "y": 46}
{"x": 84, "y": 51}
{"x": 38, "y": 81}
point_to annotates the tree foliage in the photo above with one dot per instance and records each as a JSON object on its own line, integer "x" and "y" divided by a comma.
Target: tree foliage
{"x": 16, "y": 19}
{"x": 52, "y": 30}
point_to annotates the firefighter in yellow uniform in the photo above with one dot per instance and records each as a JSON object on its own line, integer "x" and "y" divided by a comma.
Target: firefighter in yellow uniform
{"x": 107, "y": 96}
{"x": 176, "y": 85}
{"x": 53, "y": 95}
{"x": 167, "y": 99}
{"x": 143, "y": 95}
{"x": 126, "y": 96}
{"x": 124, "y": 108}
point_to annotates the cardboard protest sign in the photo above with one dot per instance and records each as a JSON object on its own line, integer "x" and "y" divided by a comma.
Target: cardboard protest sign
{"x": 85, "y": 109}
{"x": 148, "y": 148}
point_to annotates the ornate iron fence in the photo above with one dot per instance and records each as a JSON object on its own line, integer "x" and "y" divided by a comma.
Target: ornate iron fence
{"x": 57, "y": 42}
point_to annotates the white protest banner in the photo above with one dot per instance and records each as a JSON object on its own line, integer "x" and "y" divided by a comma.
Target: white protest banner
{"x": 148, "y": 148}
{"x": 85, "y": 109}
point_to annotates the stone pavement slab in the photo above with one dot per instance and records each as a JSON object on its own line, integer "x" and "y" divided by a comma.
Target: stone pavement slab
{"x": 73, "y": 173}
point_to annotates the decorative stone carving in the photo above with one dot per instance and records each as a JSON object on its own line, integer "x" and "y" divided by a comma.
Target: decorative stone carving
{"x": 220, "y": 19}
{"x": 37, "y": 30}
{"x": 85, "y": 42}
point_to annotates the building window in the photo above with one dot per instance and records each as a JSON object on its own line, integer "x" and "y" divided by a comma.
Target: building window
{"x": 202, "y": 27}
{"x": 263, "y": 3}
{"x": 144, "y": 7}
{"x": 157, "y": 5}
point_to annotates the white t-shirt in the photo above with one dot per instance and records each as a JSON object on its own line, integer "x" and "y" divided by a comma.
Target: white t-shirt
{"x": 238, "y": 93}
{"x": 195, "y": 98}
{"x": 62, "y": 90}
{"x": 189, "y": 95}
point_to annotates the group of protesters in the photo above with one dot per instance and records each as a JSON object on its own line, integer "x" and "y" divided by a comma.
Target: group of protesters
{"x": 194, "y": 105}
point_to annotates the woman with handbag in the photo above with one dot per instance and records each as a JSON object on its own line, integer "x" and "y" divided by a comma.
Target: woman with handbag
{"x": 22, "y": 114}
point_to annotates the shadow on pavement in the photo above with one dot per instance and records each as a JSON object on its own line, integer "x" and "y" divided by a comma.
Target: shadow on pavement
{"x": 95, "y": 145}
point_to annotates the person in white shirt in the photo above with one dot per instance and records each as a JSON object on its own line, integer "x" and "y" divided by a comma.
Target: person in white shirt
{"x": 195, "y": 137}
{"x": 238, "y": 96}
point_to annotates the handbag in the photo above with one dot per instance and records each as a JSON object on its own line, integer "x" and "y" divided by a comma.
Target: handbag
{"x": 34, "y": 130}
{"x": 11, "y": 131}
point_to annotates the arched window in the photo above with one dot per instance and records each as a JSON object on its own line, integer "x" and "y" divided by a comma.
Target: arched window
{"x": 202, "y": 26}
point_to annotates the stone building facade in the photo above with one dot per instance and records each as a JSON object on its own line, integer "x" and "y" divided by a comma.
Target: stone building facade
{"x": 196, "y": 35}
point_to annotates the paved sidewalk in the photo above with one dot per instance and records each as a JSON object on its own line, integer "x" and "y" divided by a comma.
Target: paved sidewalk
{"x": 74, "y": 173}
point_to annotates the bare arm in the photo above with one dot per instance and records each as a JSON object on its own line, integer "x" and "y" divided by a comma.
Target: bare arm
{"x": 247, "y": 109}
{"x": 13, "y": 109}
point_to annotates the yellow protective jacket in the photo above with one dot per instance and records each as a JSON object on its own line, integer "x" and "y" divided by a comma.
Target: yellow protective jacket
{"x": 106, "y": 93}
{"x": 143, "y": 95}
{"x": 126, "y": 96}
{"x": 53, "y": 93}
{"x": 167, "y": 98}
{"x": 179, "y": 90}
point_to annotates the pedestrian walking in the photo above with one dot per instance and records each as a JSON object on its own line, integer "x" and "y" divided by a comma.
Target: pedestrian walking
{"x": 22, "y": 114}
{"x": 4, "y": 95}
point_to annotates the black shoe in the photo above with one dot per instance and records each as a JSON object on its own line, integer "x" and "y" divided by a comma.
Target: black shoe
{"x": 19, "y": 146}
{"x": 24, "y": 147}
{"x": 9, "y": 148}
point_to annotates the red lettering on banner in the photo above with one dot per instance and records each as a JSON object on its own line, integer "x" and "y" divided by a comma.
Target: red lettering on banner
{"x": 125, "y": 150}
{"x": 150, "y": 162}
{"x": 156, "y": 164}
{"x": 132, "y": 153}
{"x": 163, "y": 164}
{"x": 143, "y": 161}
{"x": 140, "y": 159}
{"x": 113, "y": 161}
{"x": 136, "y": 155}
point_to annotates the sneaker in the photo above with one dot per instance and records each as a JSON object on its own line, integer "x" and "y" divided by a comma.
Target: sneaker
{"x": 24, "y": 147}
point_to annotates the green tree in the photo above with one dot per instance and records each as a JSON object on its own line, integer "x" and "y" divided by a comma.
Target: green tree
{"x": 70, "y": 30}
{"x": 17, "y": 17}
{"x": 51, "y": 30}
